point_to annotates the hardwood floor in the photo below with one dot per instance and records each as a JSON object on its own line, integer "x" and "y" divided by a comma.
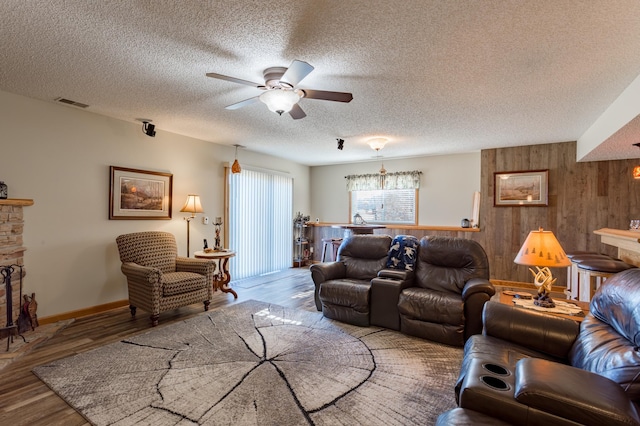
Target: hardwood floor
{"x": 25, "y": 400}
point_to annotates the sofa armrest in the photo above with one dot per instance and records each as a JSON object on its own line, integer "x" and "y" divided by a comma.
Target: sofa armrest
{"x": 475, "y": 293}
{"x": 321, "y": 272}
{"x": 545, "y": 333}
{"x": 205, "y": 267}
{"x": 385, "y": 294}
{"x": 572, "y": 393}
{"x": 142, "y": 275}
{"x": 396, "y": 274}
{"x": 477, "y": 285}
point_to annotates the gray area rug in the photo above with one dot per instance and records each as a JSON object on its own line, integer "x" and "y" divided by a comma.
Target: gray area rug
{"x": 258, "y": 364}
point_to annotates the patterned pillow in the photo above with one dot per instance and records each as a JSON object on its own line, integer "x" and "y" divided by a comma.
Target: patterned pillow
{"x": 403, "y": 253}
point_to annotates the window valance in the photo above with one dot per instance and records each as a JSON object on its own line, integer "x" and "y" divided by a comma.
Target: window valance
{"x": 373, "y": 181}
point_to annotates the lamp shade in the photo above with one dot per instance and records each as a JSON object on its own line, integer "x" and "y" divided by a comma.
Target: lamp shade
{"x": 377, "y": 143}
{"x": 192, "y": 205}
{"x": 541, "y": 248}
{"x": 280, "y": 100}
{"x": 636, "y": 172}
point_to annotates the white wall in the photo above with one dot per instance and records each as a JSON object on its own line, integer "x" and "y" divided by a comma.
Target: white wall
{"x": 59, "y": 156}
{"x": 446, "y": 189}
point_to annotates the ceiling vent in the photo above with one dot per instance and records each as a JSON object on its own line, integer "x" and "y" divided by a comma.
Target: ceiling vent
{"x": 70, "y": 102}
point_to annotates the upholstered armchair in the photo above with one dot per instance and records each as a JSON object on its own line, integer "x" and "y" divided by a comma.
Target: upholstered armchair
{"x": 158, "y": 279}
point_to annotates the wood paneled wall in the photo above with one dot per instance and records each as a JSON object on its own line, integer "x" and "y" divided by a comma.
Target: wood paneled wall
{"x": 583, "y": 197}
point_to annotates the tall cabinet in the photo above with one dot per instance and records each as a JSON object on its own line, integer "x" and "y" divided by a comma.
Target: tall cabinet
{"x": 301, "y": 241}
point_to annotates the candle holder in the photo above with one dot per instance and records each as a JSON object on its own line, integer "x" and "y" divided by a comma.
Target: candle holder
{"x": 217, "y": 224}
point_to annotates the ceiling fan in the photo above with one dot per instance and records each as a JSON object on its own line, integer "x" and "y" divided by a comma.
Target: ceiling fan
{"x": 280, "y": 94}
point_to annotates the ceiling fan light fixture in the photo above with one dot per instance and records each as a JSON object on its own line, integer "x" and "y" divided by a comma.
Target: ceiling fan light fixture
{"x": 280, "y": 100}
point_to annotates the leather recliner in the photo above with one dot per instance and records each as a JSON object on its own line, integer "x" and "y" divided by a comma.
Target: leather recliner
{"x": 442, "y": 300}
{"x": 342, "y": 288}
{"x": 532, "y": 368}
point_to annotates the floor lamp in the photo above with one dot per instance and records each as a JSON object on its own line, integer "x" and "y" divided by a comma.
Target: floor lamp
{"x": 192, "y": 206}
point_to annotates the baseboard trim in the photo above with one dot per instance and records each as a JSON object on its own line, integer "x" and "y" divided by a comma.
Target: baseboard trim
{"x": 120, "y": 303}
{"x": 83, "y": 312}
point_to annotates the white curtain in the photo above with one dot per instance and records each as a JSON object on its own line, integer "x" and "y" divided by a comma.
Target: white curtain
{"x": 260, "y": 222}
{"x": 395, "y": 180}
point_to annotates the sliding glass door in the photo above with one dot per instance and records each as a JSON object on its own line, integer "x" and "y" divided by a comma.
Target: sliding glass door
{"x": 260, "y": 222}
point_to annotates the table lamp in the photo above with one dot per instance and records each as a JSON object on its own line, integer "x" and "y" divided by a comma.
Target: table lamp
{"x": 192, "y": 206}
{"x": 542, "y": 250}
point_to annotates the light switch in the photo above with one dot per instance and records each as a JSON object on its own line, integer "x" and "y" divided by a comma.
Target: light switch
{"x": 205, "y": 220}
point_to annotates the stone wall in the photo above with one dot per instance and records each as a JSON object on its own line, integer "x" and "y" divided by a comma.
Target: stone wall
{"x": 11, "y": 252}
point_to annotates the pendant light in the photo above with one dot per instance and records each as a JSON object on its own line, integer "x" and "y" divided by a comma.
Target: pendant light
{"x": 636, "y": 169}
{"x": 235, "y": 167}
{"x": 377, "y": 144}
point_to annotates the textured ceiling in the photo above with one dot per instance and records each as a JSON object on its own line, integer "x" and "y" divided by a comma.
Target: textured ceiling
{"x": 433, "y": 76}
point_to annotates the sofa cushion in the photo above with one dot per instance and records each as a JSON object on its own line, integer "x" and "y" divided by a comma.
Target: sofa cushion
{"x": 403, "y": 252}
{"x": 617, "y": 303}
{"x": 364, "y": 255}
{"x": 610, "y": 334}
{"x": 347, "y": 292}
{"x": 572, "y": 393}
{"x": 174, "y": 283}
{"x": 431, "y": 306}
{"x": 446, "y": 263}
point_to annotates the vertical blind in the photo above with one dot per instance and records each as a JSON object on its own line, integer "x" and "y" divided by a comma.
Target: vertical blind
{"x": 260, "y": 222}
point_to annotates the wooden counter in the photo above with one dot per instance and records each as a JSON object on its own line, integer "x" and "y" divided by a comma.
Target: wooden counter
{"x": 628, "y": 243}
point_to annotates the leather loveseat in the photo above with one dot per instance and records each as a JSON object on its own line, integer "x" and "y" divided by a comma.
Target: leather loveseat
{"x": 531, "y": 368}
{"x": 439, "y": 298}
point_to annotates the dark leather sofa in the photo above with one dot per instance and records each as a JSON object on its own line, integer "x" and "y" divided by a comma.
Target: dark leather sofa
{"x": 440, "y": 298}
{"x": 530, "y": 368}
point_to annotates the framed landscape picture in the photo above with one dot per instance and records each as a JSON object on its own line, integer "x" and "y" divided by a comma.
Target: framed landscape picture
{"x": 139, "y": 194}
{"x": 522, "y": 188}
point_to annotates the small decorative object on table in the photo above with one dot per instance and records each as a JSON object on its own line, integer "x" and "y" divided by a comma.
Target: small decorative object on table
{"x": 358, "y": 220}
{"x": 217, "y": 224}
{"x": 4, "y": 193}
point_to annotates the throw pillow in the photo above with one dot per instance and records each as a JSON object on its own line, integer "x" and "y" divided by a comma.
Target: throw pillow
{"x": 403, "y": 252}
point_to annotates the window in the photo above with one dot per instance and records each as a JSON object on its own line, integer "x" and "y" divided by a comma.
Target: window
{"x": 385, "y": 205}
{"x": 390, "y": 198}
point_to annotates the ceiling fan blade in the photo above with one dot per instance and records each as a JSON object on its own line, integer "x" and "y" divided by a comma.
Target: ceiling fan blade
{"x": 243, "y": 103}
{"x": 295, "y": 73}
{"x": 328, "y": 96}
{"x": 234, "y": 80}
{"x": 296, "y": 112}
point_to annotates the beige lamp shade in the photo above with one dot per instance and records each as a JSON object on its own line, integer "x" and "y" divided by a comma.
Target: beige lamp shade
{"x": 541, "y": 248}
{"x": 192, "y": 205}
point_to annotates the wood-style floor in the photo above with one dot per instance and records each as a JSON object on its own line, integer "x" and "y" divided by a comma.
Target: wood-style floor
{"x": 25, "y": 400}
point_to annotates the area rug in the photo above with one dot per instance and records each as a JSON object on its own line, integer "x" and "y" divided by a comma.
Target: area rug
{"x": 259, "y": 364}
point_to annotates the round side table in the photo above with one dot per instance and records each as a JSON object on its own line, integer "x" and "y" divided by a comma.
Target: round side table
{"x": 222, "y": 276}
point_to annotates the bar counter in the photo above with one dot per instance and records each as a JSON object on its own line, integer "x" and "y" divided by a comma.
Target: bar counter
{"x": 627, "y": 242}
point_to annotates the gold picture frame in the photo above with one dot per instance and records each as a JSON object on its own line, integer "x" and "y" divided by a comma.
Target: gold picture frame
{"x": 139, "y": 194}
{"x": 521, "y": 188}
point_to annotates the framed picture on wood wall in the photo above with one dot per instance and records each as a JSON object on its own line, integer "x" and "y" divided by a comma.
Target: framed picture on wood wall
{"x": 521, "y": 188}
{"x": 139, "y": 194}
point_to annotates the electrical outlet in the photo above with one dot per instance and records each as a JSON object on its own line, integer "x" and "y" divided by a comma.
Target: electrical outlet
{"x": 205, "y": 220}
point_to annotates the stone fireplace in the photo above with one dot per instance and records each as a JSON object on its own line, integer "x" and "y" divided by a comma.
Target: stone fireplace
{"x": 12, "y": 251}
